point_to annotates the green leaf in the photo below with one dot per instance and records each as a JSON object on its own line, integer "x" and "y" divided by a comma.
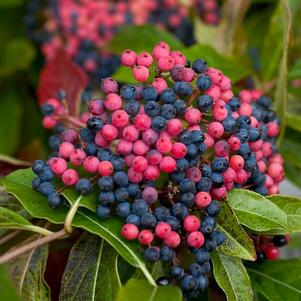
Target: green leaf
{"x": 16, "y": 55}
{"x": 237, "y": 242}
{"x": 10, "y": 115}
{"x": 290, "y": 149}
{"x": 10, "y": 3}
{"x": 125, "y": 270}
{"x": 140, "y": 290}
{"x": 255, "y": 211}
{"x": 232, "y": 277}
{"x": 27, "y": 272}
{"x": 124, "y": 75}
{"x": 292, "y": 207}
{"x": 7, "y": 288}
{"x": 19, "y": 184}
{"x": 11, "y": 220}
{"x": 295, "y": 70}
{"x": 231, "y": 68}
{"x": 292, "y": 173}
{"x": 277, "y": 280}
{"x": 204, "y": 34}
{"x": 90, "y": 272}
{"x": 141, "y": 38}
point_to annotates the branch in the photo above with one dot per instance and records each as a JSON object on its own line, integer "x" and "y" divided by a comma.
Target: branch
{"x": 32, "y": 245}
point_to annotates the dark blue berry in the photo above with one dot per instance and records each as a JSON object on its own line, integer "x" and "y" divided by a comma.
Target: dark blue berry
{"x": 199, "y": 66}
{"x": 180, "y": 106}
{"x": 94, "y": 123}
{"x": 204, "y": 82}
{"x": 140, "y": 207}
{"x": 167, "y": 254}
{"x": 159, "y": 123}
{"x": 128, "y": 92}
{"x": 121, "y": 178}
{"x": 213, "y": 208}
{"x": 103, "y": 212}
{"x": 46, "y": 174}
{"x": 168, "y": 111}
{"x": 148, "y": 220}
{"x": 208, "y": 224}
{"x": 149, "y": 93}
{"x": 177, "y": 273}
{"x": 234, "y": 103}
{"x": 201, "y": 256}
{"x": 86, "y": 135}
{"x": 179, "y": 210}
{"x": 106, "y": 198}
{"x": 132, "y": 107}
{"x": 152, "y": 108}
{"x": 123, "y": 209}
{"x": 46, "y": 188}
{"x": 47, "y": 109}
{"x": 220, "y": 164}
{"x": 106, "y": 183}
{"x": 121, "y": 194}
{"x": 182, "y": 88}
{"x": 205, "y": 103}
{"x": 168, "y": 96}
{"x": 204, "y": 184}
{"x": 133, "y": 190}
{"x": 83, "y": 186}
{"x": 38, "y": 166}
{"x": 55, "y": 200}
{"x": 152, "y": 254}
{"x": 133, "y": 219}
{"x": 104, "y": 154}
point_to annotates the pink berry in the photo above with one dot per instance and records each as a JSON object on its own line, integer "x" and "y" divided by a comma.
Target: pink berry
{"x": 159, "y": 84}
{"x": 178, "y": 57}
{"x": 140, "y": 73}
{"x": 69, "y": 135}
{"x": 237, "y": 162}
{"x": 124, "y": 147}
{"x": 245, "y": 96}
{"x": 191, "y": 223}
{"x": 174, "y": 127}
{"x": 161, "y": 49}
{"x": 267, "y": 149}
{"x": 164, "y": 144}
{"x": 179, "y": 150}
{"x": 109, "y": 85}
{"x": 234, "y": 143}
{"x": 49, "y": 122}
{"x": 142, "y": 122}
{"x": 129, "y": 159}
{"x": 128, "y": 58}
{"x": 58, "y": 165}
{"x": 215, "y": 92}
{"x": 100, "y": 140}
{"x": 65, "y": 149}
{"x": 256, "y": 145}
{"x": 70, "y": 177}
{"x": 149, "y": 137}
{"x": 272, "y": 252}
{"x": 225, "y": 84}
{"x": 275, "y": 169}
{"x": 96, "y": 107}
{"x": 113, "y": 102}
{"x": 193, "y": 116}
{"x": 221, "y": 148}
{"x": 144, "y": 59}
{"x": 166, "y": 63}
{"x": 202, "y": 199}
{"x": 140, "y": 148}
{"x": 130, "y": 133}
{"x": 129, "y": 231}
{"x": 139, "y": 163}
{"x": 219, "y": 193}
{"x": 154, "y": 157}
{"x": 195, "y": 239}
{"x": 152, "y": 173}
{"x": 209, "y": 141}
{"x": 188, "y": 75}
{"x": 150, "y": 195}
{"x": 168, "y": 164}
{"x": 194, "y": 174}
{"x": 135, "y": 176}
{"x": 219, "y": 111}
{"x": 145, "y": 237}
{"x": 105, "y": 168}
{"x": 109, "y": 132}
{"x": 172, "y": 239}
{"x": 215, "y": 129}
{"x": 90, "y": 164}
{"x": 163, "y": 230}
{"x": 120, "y": 118}
{"x": 245, "y": 109}
{"x": 229, "y": 175}
{"x": 273, "y": 129}
{"x": 215, "y": 75}
{"x": 77, "y": 157}
{"x": 241, "y": 176}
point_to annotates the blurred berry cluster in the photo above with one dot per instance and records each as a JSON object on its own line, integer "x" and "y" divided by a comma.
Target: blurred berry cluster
{"x": 83, "y": 28}
{"x": 162, "y": 154}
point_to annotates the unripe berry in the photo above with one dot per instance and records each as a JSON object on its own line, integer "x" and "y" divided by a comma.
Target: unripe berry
{"x": 202, "y": 199}
{"x": 271, "y": 252}
{"x": 109, "y": 132}
{"x": 96, "y": 106}
{"x": 70, "y": 177}
{"x": 195, "y": 239}
{"x": 58, "y": 165}
{"x": 144, "y": 59}
{"x": 179, "y": 150}
{"x": 166, "y": 63}
{"x": 139, "y": 163}
{"x": 140, "y": 148}
{"x": 140, "y": 73}
{"x": 174, "y": 127}
{"x": 124, "y": 147}
{"x": 234, "y": 143}
{"x": 65, "y": 149}
{"x": 135, "y": 176}
{"x": 191, "y": 223}
{"x": 91, "y": 164}
{"x": 108, "y": 85}
{"x": 105, "y": 168}
{"x": 113, "y": 102}
{"x": 128, "y": 58}
{"x": 168, "y": 164}
{"x": 172, "y": 239}
{"x": 159, "y": 84}
{"x": 163, "y": 230}
{"x": 130, "y": 133}
{"x": 120, "y": 118}
{"x": 161, "y": 49}
{"x": 164, "y": 144}
{"x": 152, "y": 173}
{"x": 145, "y": 237}
{"x": 215, "y": 129}
{"x": 142, "y": 122}
{"x": 237, "y": 162}
{"x": 77, "y": 157}
{"x": 193, "y": 116}
{"x": 129, "y": 231}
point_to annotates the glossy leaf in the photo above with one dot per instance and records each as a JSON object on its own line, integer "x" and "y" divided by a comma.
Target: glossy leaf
{"x": 292, "y": 173}
{"x": 232, "y": 277}
{"x": 237, "y": 242}
{"x": 141, "y": 38}
{"x": 292, "y": 207}
{"x": 231, "y": 68}
{"x": 140, "y": 290}
{"x": 295, "y": 70}
{"x": 27, "y": 271}
{"x": 124, "y": 75}
{"x": 19, "y": 184}
{"x": 8, "y": 291}
{"x": 17, "y": 54}
{"x": 62, "y": 74}
{"x": 91, "y": 272}
{"x": 255, "y": 211}
{"x": 277, "y": 280}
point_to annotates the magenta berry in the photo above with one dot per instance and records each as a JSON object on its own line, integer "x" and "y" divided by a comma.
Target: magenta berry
{"x": 91, "y": 164}
{"x": 191, "y": 223}
{"x": 139, "y": 164}
{"x": 120, "y": 118}
{"x": 163, "y": 230}
{"x": 96, "y": 107}
{"x": 172, "y": 239}
{"x": 179, "y": 150}
{"x": 65, "y": 149}
{"x": 109, "y": 85}
{"x": 77, "y": 157}
{"x": 70, "y": 177}
{"x": 58, "y": 165}
{"x": 195, "y": 239}
{"x": 202, "y": 199}
{"x": 105, "y": 168}
{"x": 129, "y": 231}
{"x": 145, "y": 237}
{"x": 145, "y": 59}
{"x": 140, "y": 73}
{"x": 128, "y": 58}
{"x": 168, "y": 164}
{"x": 150, "y": 195}
{"x": 113, "y": 102}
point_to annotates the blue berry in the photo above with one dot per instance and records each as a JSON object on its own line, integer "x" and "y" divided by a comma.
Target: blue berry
{"x": 46, "y": 188}
{"x": 199, "y": 66}
{"x": 179, "y": 210}
{"x": 91, "y": 149}
{"x": 243, "y": 135}
{"x": 94, "y": 123}
{"x": 243, "y": 122}
{"x": 229, "y": 124}
{"x": 128, "y": 92}
{"x": 168, "y": 111}
{"x": 204, "y": 184}
{"x": 177, "y": 176}
{"x": 121, "y": 194}
{"x": 168, "y": 96}
{"x": 54, "y": 142}
{"x": 105, "y": 183}
{"x": 36, "y": 183}
{"x": 152, "y": 108}
{"x": 123, "y": 209}
{"x": 104, "y": 154}
{"x": 133, "y": 190}
{"x": 173, "y": 222}
{"x": 217, "y": 179}
{"x": 204, "y": 82}
{"x": 162, "y": 213}
{"x": 83, "y": 186}
{"x": 187, "y": 199}
{"x": 206, "y": 170}
{"x": 180, "y": 106}
{"x": 167, "y": 254}
{"x": 182, "y": 164}
{"x": 133, "y": 219}
{"x": 213, "y": 208}
{"x": 186, "y": 138}
{"x": 254, "y": 134}
{"x": 152, "y": 254}
{"x": 118, "y": 163}
{"x": 187, "y": 185}
{"x": 106, "y": 198}
{"x": 189, "y": 283}
{"x": 140, "y": 207}
{"x": 208, "y": 224}
{"x": 205, "y": 103}
{"x": 148, "y": 220}
{"x": 202, "y": 282}
{"x": 220, "y": 164}
{"x": 86, "y": 135}
{"x": 201, "y": 256}
{"x": 46, "y": 174}
{"x": 132, "y": 107}
{"x": 195, "y": 269}
{"x": 245, "y": 151}
{"x": 103, "y": 212}
{"x": 264, "y": 101}
{"x": 149, "y": 93}
{"x": 121, "y": 178}
{"x": 234, "y": 104}
{"x": 197, "y": 136}
{"x": 177, "y": 273}
{"x": 159, "y": 123}
{"x": 182, "y": 88}
{"x": 219, "y": 237}
{"x": 47, "y": 109}
{"x": 55, "y": 200}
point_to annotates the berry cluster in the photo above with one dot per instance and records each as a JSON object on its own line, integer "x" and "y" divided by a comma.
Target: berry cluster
{"x": 163, "y": 152}
{"x": 83, "y": 28}
{"x": 208, "y": 11}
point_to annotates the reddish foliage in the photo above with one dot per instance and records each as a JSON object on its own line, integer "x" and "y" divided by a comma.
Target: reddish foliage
{"x": 62, "y": 73}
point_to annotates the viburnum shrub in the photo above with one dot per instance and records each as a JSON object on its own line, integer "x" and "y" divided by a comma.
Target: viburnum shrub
{"x": 162, "y": 154}
{"x": 84, "y": 28}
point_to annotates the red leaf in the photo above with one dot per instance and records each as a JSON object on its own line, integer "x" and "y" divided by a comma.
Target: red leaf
{"x": 62, "y": 73}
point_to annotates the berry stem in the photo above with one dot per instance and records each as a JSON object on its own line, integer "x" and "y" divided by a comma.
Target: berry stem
{"x": 39, "y": 230}
{"x": 74, "y": 121}
{"x": 9, "y": 236}
{"x": 32, "y": 245}
{"x": 71, "y": 214}
{"x": 195, "y": 94}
